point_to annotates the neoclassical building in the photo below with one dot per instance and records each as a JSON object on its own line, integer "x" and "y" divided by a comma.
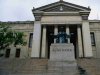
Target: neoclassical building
{"x": 50, "y": 20}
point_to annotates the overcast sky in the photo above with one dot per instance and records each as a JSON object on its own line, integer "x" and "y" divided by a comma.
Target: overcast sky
{"x": 20, "y": 10}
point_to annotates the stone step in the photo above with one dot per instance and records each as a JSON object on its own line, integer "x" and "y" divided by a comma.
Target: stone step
{"x": 90, "y": 65}
{"x": 55, "y": 73}
{"x": 40, "y": 67}
{"x": 62, "y": 68}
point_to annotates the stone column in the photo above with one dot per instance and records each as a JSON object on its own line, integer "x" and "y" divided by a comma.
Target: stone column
{"x": 36, "y": 40}
{"x": 79, "y": 35}
{"x": 86, "y": 39}
{"x": 68, "y": 32}
{"x": 43, "y": 53}
{"x": 55, "y": 32}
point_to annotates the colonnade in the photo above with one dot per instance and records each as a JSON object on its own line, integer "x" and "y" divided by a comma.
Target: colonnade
{"x": 82, "y": 34}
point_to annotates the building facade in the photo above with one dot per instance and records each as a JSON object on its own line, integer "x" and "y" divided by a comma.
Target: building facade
{"x": 50, "y": 20}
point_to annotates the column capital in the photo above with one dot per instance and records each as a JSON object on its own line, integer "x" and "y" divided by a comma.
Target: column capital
{"x": 38, "y": 15}
{"x": 84, "y": 14}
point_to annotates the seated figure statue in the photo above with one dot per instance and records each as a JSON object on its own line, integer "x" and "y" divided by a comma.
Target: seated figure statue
{"x": 62, "y": 37}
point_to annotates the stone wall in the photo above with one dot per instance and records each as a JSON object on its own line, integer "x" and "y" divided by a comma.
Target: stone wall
{"x": 26, "y": 28}
{"x": 95, "y": 28}
{"x": 61, "y": 19}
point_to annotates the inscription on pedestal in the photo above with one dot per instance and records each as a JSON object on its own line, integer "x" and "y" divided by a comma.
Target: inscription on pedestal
{"x": 62, "y": 52}
{"x": 57, "y": 50}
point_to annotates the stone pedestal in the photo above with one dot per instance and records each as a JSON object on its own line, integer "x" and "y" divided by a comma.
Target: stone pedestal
{"x": 62, "y": 59}
{"x": 62, "y": 52}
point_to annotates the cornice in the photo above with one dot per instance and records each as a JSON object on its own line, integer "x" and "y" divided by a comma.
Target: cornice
{"x": 61, "y": 14}
{"x": 18, "y": 22}
{"x": 38, "y": 15}
{"x": 94, "y": 21}
{"x": 84, "y": 14}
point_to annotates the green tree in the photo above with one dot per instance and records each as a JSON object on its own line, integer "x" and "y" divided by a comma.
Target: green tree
{"x": 9, "y": 36}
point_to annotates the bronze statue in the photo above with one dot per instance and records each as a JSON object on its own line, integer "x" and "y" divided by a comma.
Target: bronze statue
{"x": 62, "y": 37}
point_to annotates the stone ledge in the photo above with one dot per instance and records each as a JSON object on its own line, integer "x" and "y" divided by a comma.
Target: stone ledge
{"x": 18, "y": 22}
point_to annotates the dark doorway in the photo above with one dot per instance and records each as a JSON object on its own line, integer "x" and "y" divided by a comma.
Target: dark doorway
{"x": 7, "y": 55}
{"x": 17, "y": 53}
{"x": 50, "y": 33}
{"x": 73, "y": 38}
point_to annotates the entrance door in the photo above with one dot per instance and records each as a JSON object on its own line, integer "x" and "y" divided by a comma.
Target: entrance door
{"x": 17, "y": 53}
{"x": 7, "y": 53}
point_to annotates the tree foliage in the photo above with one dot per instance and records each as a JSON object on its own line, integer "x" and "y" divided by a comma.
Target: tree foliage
{"x": 9, "y": 36}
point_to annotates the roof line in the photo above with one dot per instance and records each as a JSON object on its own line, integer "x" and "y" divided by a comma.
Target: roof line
{"x": 61, "y": 2}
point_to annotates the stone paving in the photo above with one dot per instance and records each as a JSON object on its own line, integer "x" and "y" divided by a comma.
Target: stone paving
{"x": 40, "y": 67}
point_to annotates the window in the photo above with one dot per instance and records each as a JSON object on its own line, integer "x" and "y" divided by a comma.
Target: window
{"x": 30, "y": 40}
{"x": 17, "y": 53}
{"x": 7, "y": 55}
{"x": 92, "y": 38}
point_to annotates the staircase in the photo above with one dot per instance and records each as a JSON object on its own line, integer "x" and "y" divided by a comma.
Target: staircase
{"x": 23, "y": 66}
{"x": 40, "y": 67}
{"x": 92, "y": 66}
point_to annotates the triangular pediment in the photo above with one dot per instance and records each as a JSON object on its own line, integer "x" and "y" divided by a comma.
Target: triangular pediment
{"x": 61, "y": 6}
